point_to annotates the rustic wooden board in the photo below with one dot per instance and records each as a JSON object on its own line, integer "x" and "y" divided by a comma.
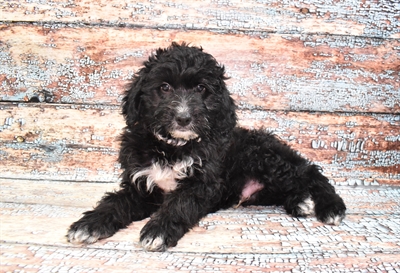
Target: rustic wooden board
{"x": 47, "y": 192}
{"x": 80, "y": 142}
{"x": 74, "y": 64}
{"x": 373, "y": 18}
{"x": 245, "y": 230}
{"x": 253, "y": 238}
{"x": 369, "y": 200}
{"x": 16, "y": 257}
{"x": 60, "y": 142}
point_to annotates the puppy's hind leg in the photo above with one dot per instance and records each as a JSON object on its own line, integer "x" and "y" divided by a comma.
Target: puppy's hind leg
{"x": 300, "y": 204}
{"x": 329, "y": 206}
{"x": 116, "y": 210}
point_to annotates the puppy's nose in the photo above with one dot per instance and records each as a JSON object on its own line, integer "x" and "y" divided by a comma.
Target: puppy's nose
{"x": 183, "y": 119}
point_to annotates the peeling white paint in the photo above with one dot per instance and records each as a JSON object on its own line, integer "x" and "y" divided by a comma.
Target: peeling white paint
{"x": 75, "y": 79}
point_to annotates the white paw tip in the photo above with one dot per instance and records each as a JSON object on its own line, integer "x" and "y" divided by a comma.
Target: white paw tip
{"x": 155, "y": 244}
{"x": 82, "y": 236}
{"x": 334, "y": 220}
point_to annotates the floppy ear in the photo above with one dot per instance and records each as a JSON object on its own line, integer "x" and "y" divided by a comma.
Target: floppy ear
{"x": 224, "y": 109}
{"x": 131, "y": 102}
{"x": 228, "y": 120}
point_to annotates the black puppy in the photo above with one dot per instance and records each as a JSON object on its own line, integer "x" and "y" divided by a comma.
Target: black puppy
{"x": 183, "y": 158}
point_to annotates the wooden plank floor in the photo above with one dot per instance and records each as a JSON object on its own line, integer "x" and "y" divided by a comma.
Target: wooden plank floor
{"x": 35, "y": 215}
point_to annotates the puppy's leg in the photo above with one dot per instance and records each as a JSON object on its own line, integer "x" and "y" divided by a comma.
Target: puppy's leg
{"x": 181, "y": 210}
{"x": 285, "y": 178}
{"x": 312, "y": 194}
{"x": 300, "y": 204}
{"x": 329, "y": 206}
{"x": 115, "y": 210}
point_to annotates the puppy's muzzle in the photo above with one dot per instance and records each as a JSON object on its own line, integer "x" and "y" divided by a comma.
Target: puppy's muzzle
{"x": 182, "y": 126}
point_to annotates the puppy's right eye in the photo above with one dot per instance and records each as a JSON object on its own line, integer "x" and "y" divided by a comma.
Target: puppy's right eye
{"x": 200, "y": 88}
{"x": 165, "y": 87}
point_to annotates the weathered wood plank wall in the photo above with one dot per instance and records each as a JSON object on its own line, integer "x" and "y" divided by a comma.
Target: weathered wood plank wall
{"x": 324, "y": 77}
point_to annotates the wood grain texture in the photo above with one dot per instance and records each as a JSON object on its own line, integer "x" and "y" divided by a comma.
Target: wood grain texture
{"x": 59, "y": 193}
{"x": 253, "y": 239}
{"x": 369, "y": 18}
{"x": 367, "y": 200}
{"x": 80, "y": 142}
{"x": 67, "y": 259}
{"x": 246, "y": 230}
{"x": 299, "y": 72}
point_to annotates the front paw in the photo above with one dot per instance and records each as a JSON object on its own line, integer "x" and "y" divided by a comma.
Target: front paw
{"x": 81, "y": 234}
{"x": 87, "y": 231}
{"x": 154, "y": 237}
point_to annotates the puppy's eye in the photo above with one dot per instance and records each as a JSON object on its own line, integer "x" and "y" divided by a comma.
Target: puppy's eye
{"x": 165, "y": 87}
{"x": 200, "y": 88}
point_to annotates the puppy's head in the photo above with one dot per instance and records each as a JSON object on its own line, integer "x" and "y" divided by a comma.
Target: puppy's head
{"x": 180, "y": 96}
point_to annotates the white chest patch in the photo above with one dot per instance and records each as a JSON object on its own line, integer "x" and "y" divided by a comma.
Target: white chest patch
{"x": 165, "y": 175}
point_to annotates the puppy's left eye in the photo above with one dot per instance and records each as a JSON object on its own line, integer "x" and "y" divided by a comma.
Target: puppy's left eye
{"x": 200, "y": 88}
{"x": 165, "y": 87}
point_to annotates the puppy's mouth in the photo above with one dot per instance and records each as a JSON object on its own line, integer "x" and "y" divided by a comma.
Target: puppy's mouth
{"x": 178, "y": 138}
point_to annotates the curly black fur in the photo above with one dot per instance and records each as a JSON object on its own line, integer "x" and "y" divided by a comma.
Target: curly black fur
{"x": 183, "y": 157}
